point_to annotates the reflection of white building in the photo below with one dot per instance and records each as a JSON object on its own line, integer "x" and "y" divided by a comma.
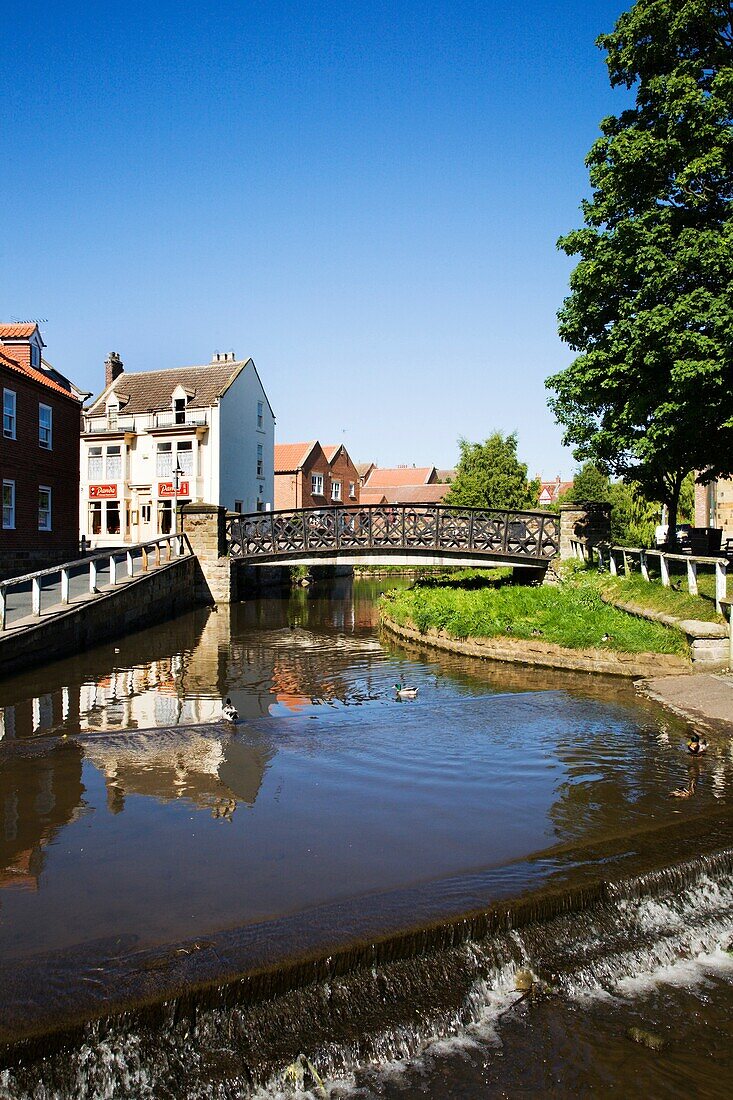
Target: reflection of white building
{"x": 213, "y": 424}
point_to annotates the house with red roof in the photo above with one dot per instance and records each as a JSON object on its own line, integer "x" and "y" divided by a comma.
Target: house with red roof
{"x": 551, "y": 491}
{"x": 308, "y": 475}
{"x": 39, "y": 455}
{"x": 403, "y": 485}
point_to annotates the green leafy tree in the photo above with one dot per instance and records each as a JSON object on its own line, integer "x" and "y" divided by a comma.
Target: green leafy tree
{"x": 650, "y": 312}
{"x": 589, "y": 484}
{"x": 489, "y": 475}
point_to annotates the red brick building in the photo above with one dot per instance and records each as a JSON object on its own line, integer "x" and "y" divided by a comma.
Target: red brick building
{"x": 39, "y": 456}
{"x": 308, "y": 475}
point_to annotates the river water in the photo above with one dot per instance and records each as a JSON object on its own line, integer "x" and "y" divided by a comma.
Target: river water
{"x": 331, "y": 814}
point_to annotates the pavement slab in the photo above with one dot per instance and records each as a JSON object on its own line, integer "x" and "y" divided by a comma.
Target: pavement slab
{"x": 706, "y": 699}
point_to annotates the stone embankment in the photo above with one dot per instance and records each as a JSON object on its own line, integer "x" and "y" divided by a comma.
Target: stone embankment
{"x": 545, "y": 654}
{"x": 709, "y": 642}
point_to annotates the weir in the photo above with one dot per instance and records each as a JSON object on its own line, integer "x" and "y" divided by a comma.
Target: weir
{"x": 195, "y": 1015}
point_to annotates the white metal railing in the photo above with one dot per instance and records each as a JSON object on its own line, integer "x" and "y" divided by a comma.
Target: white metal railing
{"x": 161, "y": 550}
{"x": 98, "y": 425}
{"x": 608, "y": 557}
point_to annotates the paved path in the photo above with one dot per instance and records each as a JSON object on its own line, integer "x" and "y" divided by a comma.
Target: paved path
{"x": 706, "y": 699}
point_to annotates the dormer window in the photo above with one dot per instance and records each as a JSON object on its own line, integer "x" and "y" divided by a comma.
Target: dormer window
{"x": 112, "y": 411}
{"x": 35, "y": 356}
{"x": 179, "y": 409}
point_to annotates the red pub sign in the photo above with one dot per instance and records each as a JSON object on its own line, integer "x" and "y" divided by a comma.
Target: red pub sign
{"x": 167, "y": 489}
{"x": 102, "y": 492}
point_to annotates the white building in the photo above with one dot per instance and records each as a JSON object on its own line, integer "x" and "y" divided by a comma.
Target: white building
{"x": 212, "y": 423}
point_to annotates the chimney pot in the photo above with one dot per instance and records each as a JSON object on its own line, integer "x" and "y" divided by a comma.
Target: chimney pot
{"x": 113, "y": 368}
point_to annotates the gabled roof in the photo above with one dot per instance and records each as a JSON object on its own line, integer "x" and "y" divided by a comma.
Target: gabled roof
{"x": 18, "y": 331}
{"x": 290, "y": 457}
{"x": 36, "y": 375}
{"x": 332, "y": 449}
{"x": 151, "y": 390}
{"x": 363, "y": 468}
{"x": 372, "y": 496}
{"x": 400, "y": 475}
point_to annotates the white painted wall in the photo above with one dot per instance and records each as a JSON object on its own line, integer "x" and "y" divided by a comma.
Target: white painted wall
{"x": 240, "y": 436}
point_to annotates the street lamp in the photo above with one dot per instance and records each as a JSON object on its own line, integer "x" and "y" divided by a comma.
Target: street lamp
{"x": 177, "y": 475}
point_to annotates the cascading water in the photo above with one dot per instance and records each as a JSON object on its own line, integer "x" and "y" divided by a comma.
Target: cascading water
{"x": 435, "y": 984}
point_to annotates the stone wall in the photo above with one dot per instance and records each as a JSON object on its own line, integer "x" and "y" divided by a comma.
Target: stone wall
{"x": 589, "y": 524}
{"x": 140, "y": 602}
{"x": 205, "y": 526}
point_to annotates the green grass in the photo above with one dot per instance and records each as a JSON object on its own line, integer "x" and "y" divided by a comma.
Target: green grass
{"x": 675, "y": 600}
{"x": 572, "y": 615}
{"x": 467, "y": 578}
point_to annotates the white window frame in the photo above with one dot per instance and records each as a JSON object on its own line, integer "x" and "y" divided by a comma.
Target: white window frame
{"x": 113, "y": 452}
{"x": 48, "y": 526}
{"x": 46, "y": 443}
{"x": 10, "y": 410}
{"x": 317, "y": 485}
{"x": 95, "y": 455}
{"x": 9, "y": 525}
{"x": 164, "y": 460}
{"x": 352, "y": 489}
{"x": 35, "y": 356}
{"x": 260, "y": 460}
{"x": 260, "y": 414}
{"x": 184, "y": 451}
{"x": 336, "y": 490}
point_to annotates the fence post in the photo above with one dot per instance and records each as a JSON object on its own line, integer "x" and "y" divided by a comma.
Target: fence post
{"x": 626, "y": 563}
{"x": 92, "y": 575}
{"x": 721, "y": 584}
{"x": 64, "y": 586}
{"x": 643, "y": 565}
{"x": 612, "y": 567}
{"x": 692, "y": 577}
{"x": 112, "y": 570}
{"x": 130, "y": 564}
{"x": 664, "y": 569}
{"x": 157, "y": 554}
{"x": 36, "y": 595}
{"x": 3, "y": 605}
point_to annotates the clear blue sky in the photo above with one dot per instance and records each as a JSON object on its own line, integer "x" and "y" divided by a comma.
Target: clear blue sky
{"x": 363, "y": 196}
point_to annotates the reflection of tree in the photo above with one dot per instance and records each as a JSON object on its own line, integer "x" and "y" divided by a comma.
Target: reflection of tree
{"x": 38, "y": 796}
{"x": 613, "y": 773}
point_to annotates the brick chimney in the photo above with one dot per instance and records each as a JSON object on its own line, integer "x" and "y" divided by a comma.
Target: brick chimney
{"x": 113, "y": 368}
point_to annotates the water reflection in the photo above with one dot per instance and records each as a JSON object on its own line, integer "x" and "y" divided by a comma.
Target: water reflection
{"x": 214, "y": 771}
{"x": 326, "y": 790}
{"x": 38, "y": 797}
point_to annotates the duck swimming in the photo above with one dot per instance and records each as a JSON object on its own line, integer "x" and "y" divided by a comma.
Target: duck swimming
{"x": 696, "y": 745}
{"x": 405, "y": 692}
{"x": 229, "y": 711}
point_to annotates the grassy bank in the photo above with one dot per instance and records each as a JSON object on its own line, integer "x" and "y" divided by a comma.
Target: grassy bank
{"x": 571, "y": 615}
{"x": 652, "y": 595}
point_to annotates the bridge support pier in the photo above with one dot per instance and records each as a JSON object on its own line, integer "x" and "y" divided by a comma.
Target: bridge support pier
{"x": 205, "y": 526}
{"x": 582, "y": 527}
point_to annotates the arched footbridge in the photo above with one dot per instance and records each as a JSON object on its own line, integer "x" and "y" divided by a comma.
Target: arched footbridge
{"x": 394, "y": 534}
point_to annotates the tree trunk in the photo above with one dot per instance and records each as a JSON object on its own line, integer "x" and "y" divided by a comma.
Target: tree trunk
{"x": 673, "y": 503}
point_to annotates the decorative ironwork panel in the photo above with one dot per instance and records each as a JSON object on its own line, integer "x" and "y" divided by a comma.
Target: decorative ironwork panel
{"x": 455, "y": 529}
{"x": 421, "y": 527}
{"x": 356, "y": 528}
{"x": 387, "y": 526}
{"x": 489, "y": 530}
{"x": 290, "y": 531}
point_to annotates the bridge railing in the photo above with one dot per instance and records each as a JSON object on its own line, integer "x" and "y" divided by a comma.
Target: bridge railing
{"x": 55, "y": 583}
{"x": 357, "y": 527}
